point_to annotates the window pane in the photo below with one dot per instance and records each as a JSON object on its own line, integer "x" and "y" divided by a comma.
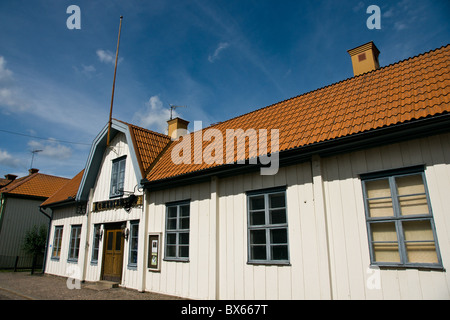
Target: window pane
{"x": 381, "y": 208}
{"x": 172, "y": 212}
{"x": 278, "y": 236}
{"x": 257, "y": 203}
{"x": 171, "y": 251}
{"x": 133, "y": 257}
{"x": 420, "y": 245}
{"x": 183, "y": 252}
{"x": 386, "y": 252}
{"x": 277, "y": 200}
{"x": 184, "y": 211}
{"x": 183, "y": 238}
{"x": 257, "y": 218}
{"x": 418, "y": 230}
{"x": 384, "y": 241}
{"x": 378, "y": 188}
{"x": 383, "y": 231}
{"x": 258, "y": 253}
{"x": 258, "y": 237}
{"x": 278, "y": 216}
{"x": 410, "y": 184}
{"x": 118, "y": 240}
{"x": 184, "y": 223}
{"x": 171, "y": 238}
{"x": 421, "y": 252}
{"x": 279, "y": 252}
{"x": 109, "y": 245}
{"x": 171, "y": 224}
{"x": 410, "y": 205}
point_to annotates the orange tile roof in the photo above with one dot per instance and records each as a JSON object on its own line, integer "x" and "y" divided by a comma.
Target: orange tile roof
{"x": 67, "y": 192}
{"x": 414, "y": 88}
{"x": 148, "y": 145}
{"x": 35, "y": 185}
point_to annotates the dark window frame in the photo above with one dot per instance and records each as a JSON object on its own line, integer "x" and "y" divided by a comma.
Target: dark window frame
{"x": 117, "y": 177}
{"x": 74, "y": 243}
{"x": 398, "y": 219}
{"x": 177, "y": 232}
{"x": 267, "y": 227}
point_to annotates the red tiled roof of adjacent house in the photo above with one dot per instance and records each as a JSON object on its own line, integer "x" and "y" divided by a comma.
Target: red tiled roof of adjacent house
{"x": 411, "y": 89}
{"x": 35, "y": 185}
{"x": 67, "y": 192}
{"x": 148, "y": 145}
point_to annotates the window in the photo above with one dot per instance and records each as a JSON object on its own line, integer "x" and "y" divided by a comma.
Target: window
{"x": 117, "y": 177}
{"x": 57, "y": 239}
{"x": 95, "y": 244}
{"x": 267, "y": 227}
{"x": 177, "y": 232}
{"x": 134, "y": 235}
{"x": 74, "y": 246}
{"x": 399, "y": 219}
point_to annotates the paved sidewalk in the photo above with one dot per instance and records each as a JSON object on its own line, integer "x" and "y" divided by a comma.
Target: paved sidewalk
{"x": 24, "y": 286}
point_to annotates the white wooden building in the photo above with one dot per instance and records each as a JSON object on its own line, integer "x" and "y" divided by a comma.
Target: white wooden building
{"x": 357, "y": 209}
{"x": 95, "y": 232}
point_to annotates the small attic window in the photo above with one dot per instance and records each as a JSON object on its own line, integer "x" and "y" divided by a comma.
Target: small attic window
{"x": 362, "y": 57}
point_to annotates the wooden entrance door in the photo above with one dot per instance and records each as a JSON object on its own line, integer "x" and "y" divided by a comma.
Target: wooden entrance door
{"x": 113, "y": 257}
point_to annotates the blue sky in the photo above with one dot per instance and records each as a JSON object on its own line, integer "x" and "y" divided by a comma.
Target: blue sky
{"x": 219, "y": 58}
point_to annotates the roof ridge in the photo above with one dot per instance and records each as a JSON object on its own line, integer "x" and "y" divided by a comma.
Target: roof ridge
{"x": 332, "y": 84}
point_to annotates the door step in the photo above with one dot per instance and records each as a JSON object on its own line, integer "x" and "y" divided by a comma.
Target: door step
{"x": 102, "y": 285}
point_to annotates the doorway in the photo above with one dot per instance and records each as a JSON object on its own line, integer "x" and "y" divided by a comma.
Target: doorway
{"x": 113, "y": 253}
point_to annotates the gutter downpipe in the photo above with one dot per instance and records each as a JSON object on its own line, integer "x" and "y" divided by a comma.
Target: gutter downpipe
{"x": 50, "y": 218}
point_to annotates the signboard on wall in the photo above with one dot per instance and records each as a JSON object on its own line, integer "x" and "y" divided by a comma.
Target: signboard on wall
{"x": 154, "y": 252}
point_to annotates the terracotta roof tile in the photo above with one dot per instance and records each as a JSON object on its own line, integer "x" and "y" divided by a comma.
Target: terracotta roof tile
{"x": 147, "y": 144}
{"x": 415, "y": 88}
{"x": 67, "y": 192}
{"x": 35, "y": 185}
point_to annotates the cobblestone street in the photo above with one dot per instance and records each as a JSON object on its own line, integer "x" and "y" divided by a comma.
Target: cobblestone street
{"x": 24, "y": 286}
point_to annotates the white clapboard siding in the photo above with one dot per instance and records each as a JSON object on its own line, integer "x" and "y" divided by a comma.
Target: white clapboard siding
{"x": 349, "y": 248}
{"x": 64, "y": 217}
{"x": 300, "y": 279}
{"x": 188, "y": 279}
{"x": 131, "y": 277}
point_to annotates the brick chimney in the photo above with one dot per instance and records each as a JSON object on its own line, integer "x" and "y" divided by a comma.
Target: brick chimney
{"x": 10, "y": 177}
{"x": 177, "y": 128}
{"x": 33, "y": 170}
{"x": 364, "y": 58}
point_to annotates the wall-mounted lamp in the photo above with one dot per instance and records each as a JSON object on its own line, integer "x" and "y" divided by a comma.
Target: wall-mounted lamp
{"x": 125, "y": 231}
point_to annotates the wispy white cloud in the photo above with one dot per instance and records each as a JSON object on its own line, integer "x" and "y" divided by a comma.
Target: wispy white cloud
{"x": 154, "y": 116}
{"x": 107, "y": 56}
{"x": 358, "y": 7}
{"x": 10, "y": 94}
{"x": 87, "y": 71}
{"x": 222, "y": 46}
{"x": 8, "y": 160}
{"x": 51, "y": 149}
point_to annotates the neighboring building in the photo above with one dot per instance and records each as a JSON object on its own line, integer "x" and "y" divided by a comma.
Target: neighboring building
{"x": 19, "y": 212}
{"x": 356, "y": 207}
